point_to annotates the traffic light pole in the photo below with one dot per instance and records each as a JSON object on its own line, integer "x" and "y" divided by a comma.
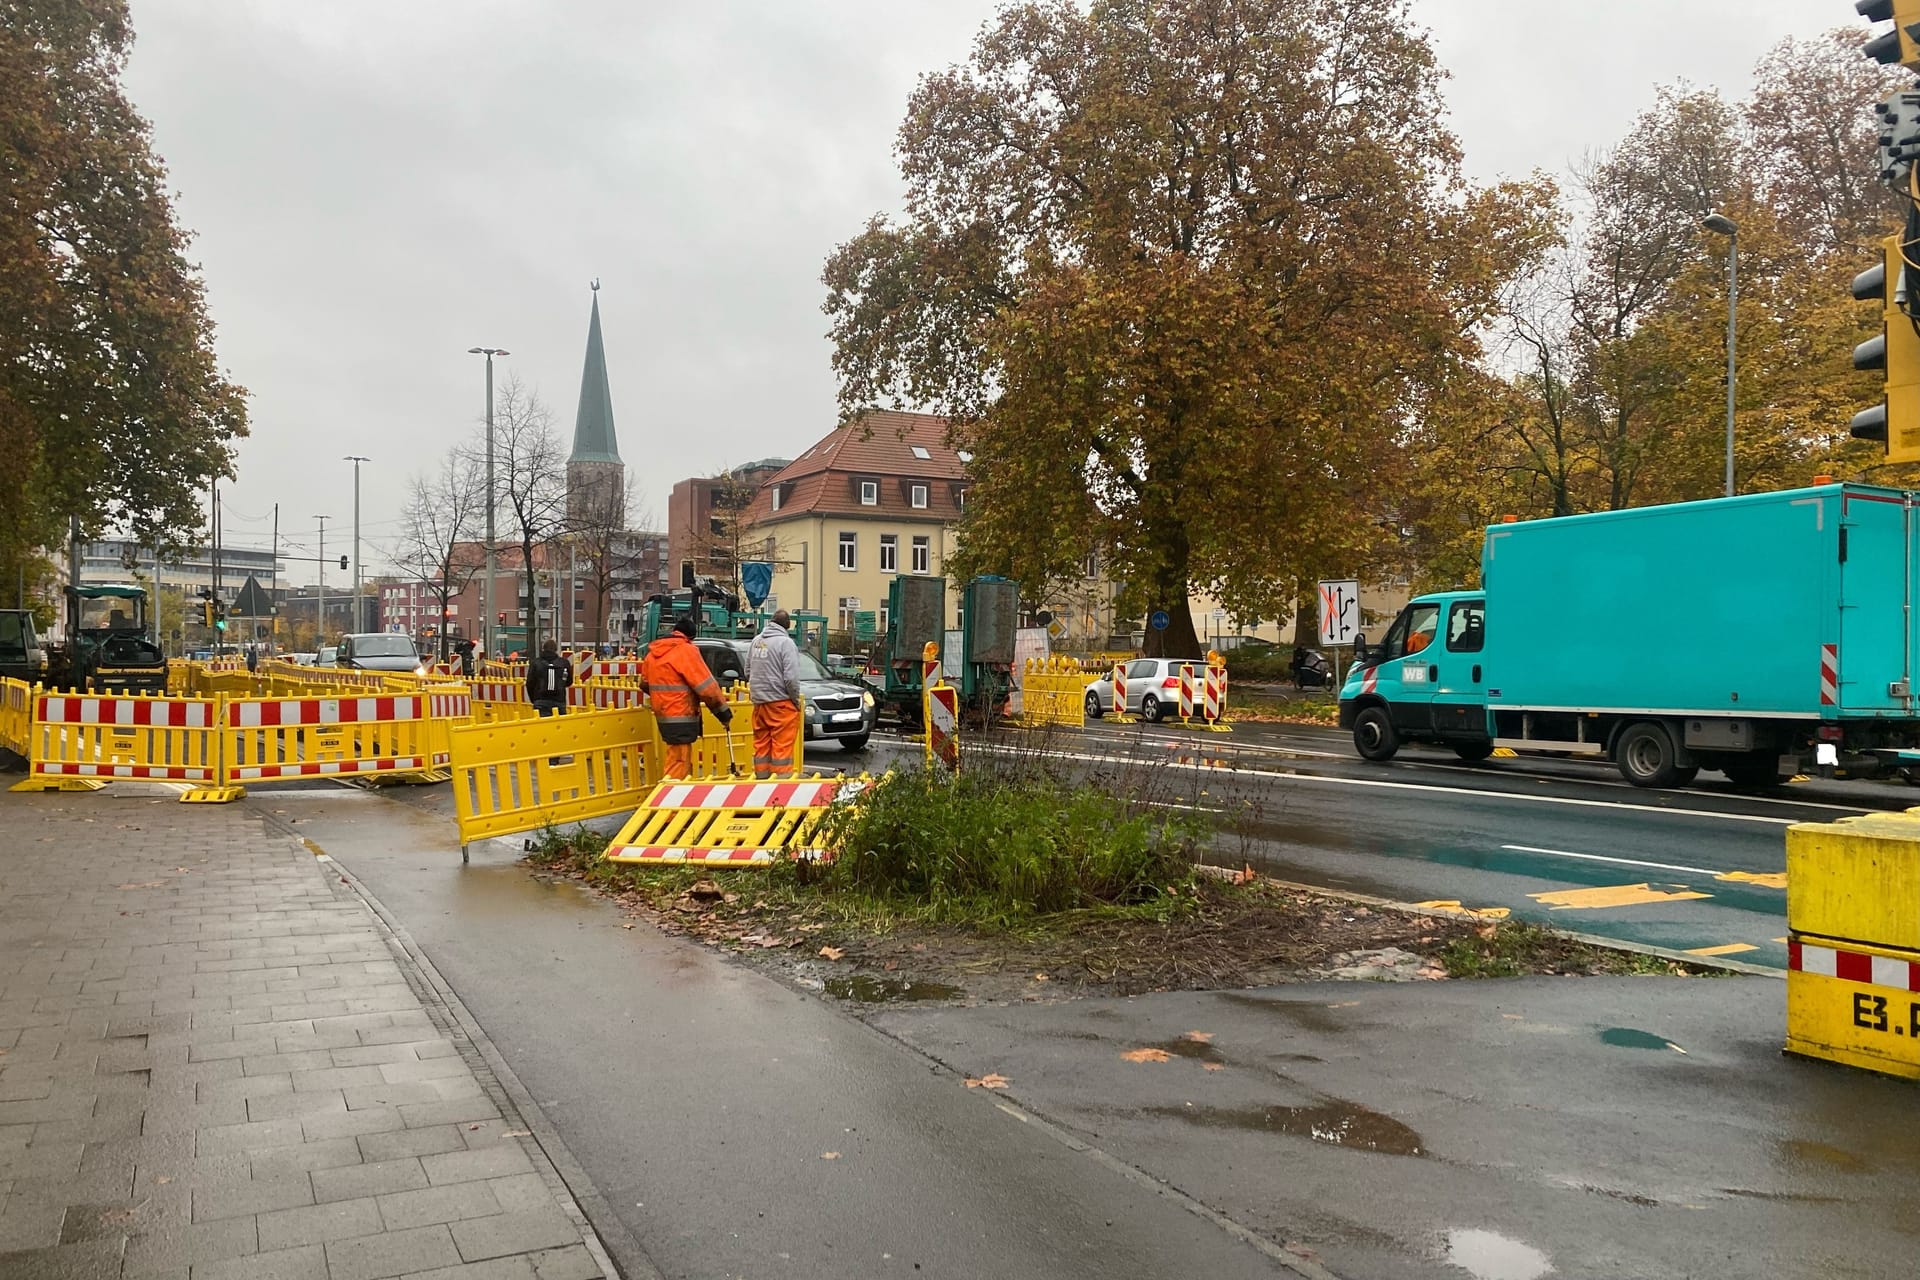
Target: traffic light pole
{"x": 1733, "y": 298}
{"x": 320, "y": 613}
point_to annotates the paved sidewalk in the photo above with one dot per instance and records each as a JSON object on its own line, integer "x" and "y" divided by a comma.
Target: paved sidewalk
{"x": 212, "y": 1067}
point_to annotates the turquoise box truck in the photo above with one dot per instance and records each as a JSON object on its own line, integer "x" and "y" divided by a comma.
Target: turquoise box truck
{"x": 1754, "y": 635}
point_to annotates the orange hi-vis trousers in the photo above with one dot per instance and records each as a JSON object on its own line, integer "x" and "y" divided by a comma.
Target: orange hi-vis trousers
{"x": 776, "y": 738}
{"x": 678, "y": 761}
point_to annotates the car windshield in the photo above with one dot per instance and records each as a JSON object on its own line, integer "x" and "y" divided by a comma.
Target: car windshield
{"x": 383, "y": 647}
{"x": 810, "y": 668}
{"x": 117, "y": 613}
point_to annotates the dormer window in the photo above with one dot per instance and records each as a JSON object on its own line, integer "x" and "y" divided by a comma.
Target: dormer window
{"x": 869, "y": 493}
{"x": 776, "y": 497}
{"x": 917, "y": 495}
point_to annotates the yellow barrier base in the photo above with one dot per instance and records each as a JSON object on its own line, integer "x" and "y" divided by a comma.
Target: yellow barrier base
{"x": 1854, "y": 1004}
{"x": 212, "y": 795}
{"x": 422, "y": 778}
{"x": 724, "y": 823}
{"x": 43, "y": 783}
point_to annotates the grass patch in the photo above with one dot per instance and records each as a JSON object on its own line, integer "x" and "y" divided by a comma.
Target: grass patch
{"x": 1003, "y": 846}
{"x": 1516, "y": 948}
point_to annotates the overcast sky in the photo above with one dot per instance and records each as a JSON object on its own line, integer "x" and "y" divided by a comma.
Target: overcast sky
{"x": 378, "y": 185}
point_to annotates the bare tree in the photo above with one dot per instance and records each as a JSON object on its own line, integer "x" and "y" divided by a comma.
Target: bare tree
{"x": 530, "y": 471}
{"x": 727, "y": 540}
{"x": 610, "y": 553}
{"x": 445, "y": 513}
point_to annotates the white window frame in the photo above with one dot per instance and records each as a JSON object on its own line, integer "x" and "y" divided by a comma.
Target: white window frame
{"x": 917, "y": 496}
{"x": 922, "y": 553}
{"x": 869, "y": 493}
{"x": 849, "y": 551}
{"x": 776, "y": 497}
{"x": 889, "y": 553}
{"x": 1090, "y": 567}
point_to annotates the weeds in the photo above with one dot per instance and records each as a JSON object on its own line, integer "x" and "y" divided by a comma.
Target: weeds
{"x": 1517, "y": 948}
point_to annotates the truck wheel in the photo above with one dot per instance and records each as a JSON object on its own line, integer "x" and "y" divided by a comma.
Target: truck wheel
{"x": 1753, "y": 770}
{"x": 1373, "y": 735}
{"x": 1645, "y": 756}
{"x": 1473, "y": 752}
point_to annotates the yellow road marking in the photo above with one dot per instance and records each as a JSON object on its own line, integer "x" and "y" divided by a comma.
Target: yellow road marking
{"x": 1765, "y": 879}
{"x": 1505, "y": 753}
{"x": 1618, "y": 895}
{"x": 1731, "y": 949}
{"x": 1781, "y": 941}
{"x": 1452, "y": 907}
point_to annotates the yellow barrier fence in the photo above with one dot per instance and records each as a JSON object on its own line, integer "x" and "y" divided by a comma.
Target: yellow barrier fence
{"x": 1053, "y": 692}
{"x": 269, "y": 739}
{"x": 79, "y": 743}
{"x": 518, "y": 775}
{"x": 16, "y": 715}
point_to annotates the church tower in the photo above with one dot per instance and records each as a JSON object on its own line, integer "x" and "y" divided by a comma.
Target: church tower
{"x": 596, "y": 478}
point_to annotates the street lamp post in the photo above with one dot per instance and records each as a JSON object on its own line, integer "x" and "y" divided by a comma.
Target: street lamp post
{"x": 1723, "y": 225}
{"x": 488, "y": 639}
{"x": 359, "y": 610}
{"x": 320, "y": 606}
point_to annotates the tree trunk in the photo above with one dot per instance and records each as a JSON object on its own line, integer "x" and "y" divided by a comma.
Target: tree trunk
{"x": 1306, "y": 617}
{"x": 1169, "y": 595}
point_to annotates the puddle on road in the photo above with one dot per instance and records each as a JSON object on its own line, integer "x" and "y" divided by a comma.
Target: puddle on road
{"x": 1488, "y": 1255}
{"x": 1628, "y": 1038}
{"x": 1336, "y": 1123}
{"x": 1198, "y": 1050}
{"x": 868, "y": 989}
{"x": 1311, "y": 1015}
{"x": 1797, "y": 1151}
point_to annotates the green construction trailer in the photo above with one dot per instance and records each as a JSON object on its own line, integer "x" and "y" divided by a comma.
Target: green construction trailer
{"x": 718, "y": 614}
{"x": 977, "y": 657}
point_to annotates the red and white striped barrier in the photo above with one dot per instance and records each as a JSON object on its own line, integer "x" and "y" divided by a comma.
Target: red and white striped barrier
{"x": 1186, "y": 691}
{"x": 270, "y": 738}
{"x": 729, "y": 823}
{"x": 1829, "y": 675}
{"x": 744, "y": 795}
{"x": 152, "y": 739}
{"x": 1852, "y": 966}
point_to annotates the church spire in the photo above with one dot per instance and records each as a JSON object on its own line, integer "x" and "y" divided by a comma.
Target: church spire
{"x": 593, "y": 439}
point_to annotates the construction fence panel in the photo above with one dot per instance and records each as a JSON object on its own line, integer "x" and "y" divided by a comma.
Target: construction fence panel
{"x": 94, "y": 740}
{"x": 729, "y": 824}
{"x": 1053, "y": 692}
{"x": 266, "y": 739}
{"x": 519, "y": 775}
{"x": 16, "y": 715}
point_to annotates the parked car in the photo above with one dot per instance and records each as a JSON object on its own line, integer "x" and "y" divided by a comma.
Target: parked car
{"x": 303, "y": 659}
{"x": 1153, "y": 688}
{"x": 841, "y": 709}
{"x": 324, "y": 655}
{"x": 378, "y": 651}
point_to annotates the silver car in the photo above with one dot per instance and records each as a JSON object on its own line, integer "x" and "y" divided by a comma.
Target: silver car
{"x": 839, "y": 709}
{"x": 1153, "y": 688}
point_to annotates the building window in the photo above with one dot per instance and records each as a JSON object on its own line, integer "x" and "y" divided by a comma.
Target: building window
{"x": 849, "y": 605}
{"x": 920, "y": 452}
{"x": 889, "y": 553}
{"x": 849, "y": 558}
{"x": 869, "y": 493}
{"x": 885, "y": 619}
{"x": 922, "y": 554}
{"x": 960, "y": 499}
{"x": 1091, "y": 566}
{"x": 918, "y": 495}
{"x": 776, "y": 497}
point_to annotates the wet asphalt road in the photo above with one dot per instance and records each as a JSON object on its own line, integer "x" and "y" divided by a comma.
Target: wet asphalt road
{"x": 1562, "y": 842}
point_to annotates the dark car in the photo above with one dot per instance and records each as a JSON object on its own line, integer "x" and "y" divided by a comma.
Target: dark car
{"x": 843, "y": 710}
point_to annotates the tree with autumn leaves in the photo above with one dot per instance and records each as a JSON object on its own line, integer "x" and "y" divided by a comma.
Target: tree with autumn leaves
{"x": 1182, "y": 275}
{"x": 112, "y": 409}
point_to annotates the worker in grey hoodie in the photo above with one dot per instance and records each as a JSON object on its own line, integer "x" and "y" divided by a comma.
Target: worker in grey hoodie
{"x": 773, "y": 682}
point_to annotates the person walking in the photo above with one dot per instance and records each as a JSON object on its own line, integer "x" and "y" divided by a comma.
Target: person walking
{"x": 676, "y": 681}
{"x": 548, "y": 679}
{"x": 773, "y": 682}
{"x": 464, "y": 651}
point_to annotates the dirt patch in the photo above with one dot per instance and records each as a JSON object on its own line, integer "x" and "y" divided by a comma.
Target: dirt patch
{"x": 1225, "y": 936}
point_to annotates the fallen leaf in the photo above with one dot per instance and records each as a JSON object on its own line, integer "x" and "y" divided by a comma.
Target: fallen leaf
{"x": 992, "y": 1080}
{"x": 829, "y": 1155}
{"x": 832, "y": 953}
{"x": 1041, "y": 977}
{"x": 1246, "y": 875}
{"x": 473, "y": 1126}
{"x": 1213, "y": 1066}
{"x": 1486, "y": 930}
{"x": 1199, "y": 1037}
{"x": 627, "y": 925}
{"x": 163, "y": 1180}
{"x": 705, "y": 891}
{"x": 1146, "y": 1055}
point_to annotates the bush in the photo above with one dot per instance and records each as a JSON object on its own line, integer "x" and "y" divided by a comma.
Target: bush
{"x": 1262, "y": 663}
{"x": 995, "y": 844}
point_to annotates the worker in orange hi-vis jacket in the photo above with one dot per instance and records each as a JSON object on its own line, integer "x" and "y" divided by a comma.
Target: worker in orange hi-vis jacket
{"x": 773, "y": 682}
{"x": 676, "y": 681}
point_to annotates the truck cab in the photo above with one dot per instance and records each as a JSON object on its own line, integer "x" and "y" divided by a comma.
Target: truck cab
{"x": 21, "y": 655}
{"x": 1424, "y": 682}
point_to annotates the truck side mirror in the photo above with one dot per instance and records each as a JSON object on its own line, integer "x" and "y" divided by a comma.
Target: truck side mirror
{"x": 1361, "y": 655}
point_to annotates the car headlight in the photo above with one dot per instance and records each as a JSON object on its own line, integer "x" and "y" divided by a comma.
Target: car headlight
{"x": 420, "y": 671}
{"x": 867, "y": 698}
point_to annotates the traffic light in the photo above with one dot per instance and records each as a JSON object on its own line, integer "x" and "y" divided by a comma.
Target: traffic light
{"x": 206, "y": 614}
{"x": 502, "y": 619}
{"x": 1895, "y": 421}
{"x": 1899, "y": 43}
{"x": 343, "y": 562}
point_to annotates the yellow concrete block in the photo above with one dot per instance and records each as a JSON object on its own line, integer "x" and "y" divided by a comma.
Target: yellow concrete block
{"x": 1854, "y": 1004}
{"x": 1857, "y": 878}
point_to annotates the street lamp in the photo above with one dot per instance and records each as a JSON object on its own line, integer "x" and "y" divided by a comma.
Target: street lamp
{"x": 486, "y": 607}
{"x": 320, "y": 606}
{"x": 359, "y": 612}
{"x": 1721, "y": 224}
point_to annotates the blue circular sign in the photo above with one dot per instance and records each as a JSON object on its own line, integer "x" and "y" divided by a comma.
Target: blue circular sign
{"x": 1159, "y": 620}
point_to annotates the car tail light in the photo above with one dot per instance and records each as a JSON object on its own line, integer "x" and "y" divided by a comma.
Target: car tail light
{"x": 1171, "y": 682}
{"x": 1830, "y": 733}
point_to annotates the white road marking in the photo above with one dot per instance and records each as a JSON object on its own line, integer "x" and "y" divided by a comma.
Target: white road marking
{"x": 1570, "y": 801}
{"x": 1625, "y": 862}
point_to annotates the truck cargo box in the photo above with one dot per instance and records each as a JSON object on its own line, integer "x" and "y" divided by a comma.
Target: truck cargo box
{"x": 1794, "y": 603}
